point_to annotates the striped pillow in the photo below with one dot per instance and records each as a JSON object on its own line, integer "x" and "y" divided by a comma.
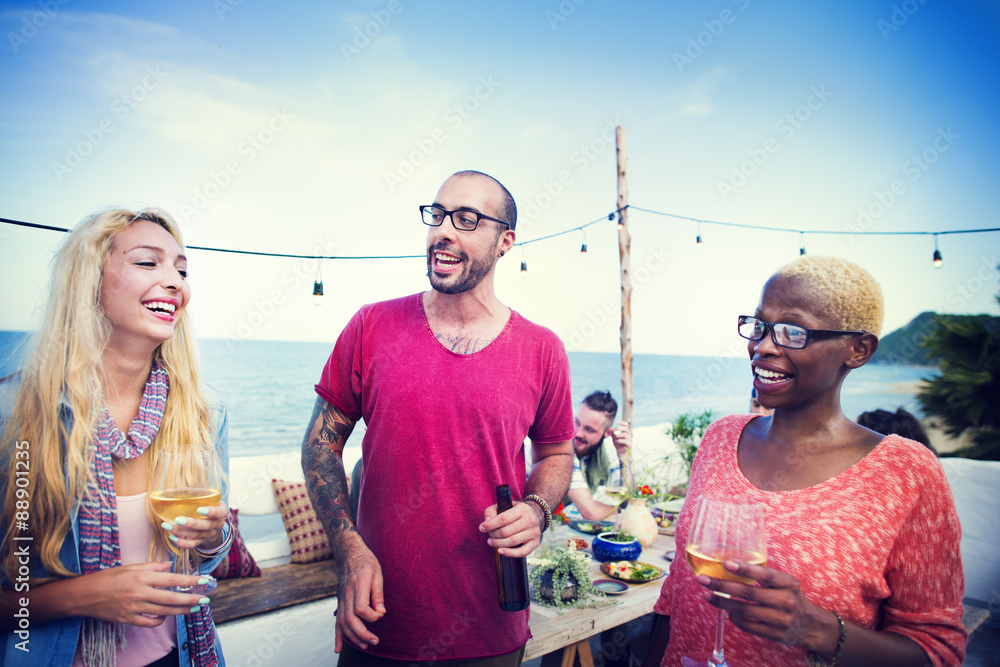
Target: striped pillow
{"x": 306, "y": 537}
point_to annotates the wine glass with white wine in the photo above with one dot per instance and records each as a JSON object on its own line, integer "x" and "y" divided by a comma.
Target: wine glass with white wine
{"x": 186, "y": 478}
{"x": 722, "y": 530}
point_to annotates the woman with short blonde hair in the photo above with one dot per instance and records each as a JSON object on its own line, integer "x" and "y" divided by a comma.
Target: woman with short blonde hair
{"x": 863, "y": 564}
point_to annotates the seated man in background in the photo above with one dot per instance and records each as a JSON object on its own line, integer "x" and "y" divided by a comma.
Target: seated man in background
{"x": 593, "y": 464}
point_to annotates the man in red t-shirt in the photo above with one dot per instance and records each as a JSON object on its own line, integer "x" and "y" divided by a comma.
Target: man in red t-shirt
{"x": 449, "y": 382}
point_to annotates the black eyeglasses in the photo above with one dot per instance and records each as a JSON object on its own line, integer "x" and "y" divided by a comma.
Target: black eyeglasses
{"x": 783, "y": 334}
{"x": 463, "y": 220}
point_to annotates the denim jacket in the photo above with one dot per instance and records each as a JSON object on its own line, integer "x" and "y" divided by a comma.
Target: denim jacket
{"x": 54, "y": 643}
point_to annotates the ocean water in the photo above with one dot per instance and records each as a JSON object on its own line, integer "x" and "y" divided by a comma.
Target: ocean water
{"x": 268, "y": 387}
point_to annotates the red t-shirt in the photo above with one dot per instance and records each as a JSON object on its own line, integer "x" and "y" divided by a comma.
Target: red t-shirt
{"x": 443, "y": 430}
{"x": 877, "y": 543}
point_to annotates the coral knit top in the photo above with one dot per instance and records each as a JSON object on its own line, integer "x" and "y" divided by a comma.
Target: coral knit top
{"x": 877, "y": 543}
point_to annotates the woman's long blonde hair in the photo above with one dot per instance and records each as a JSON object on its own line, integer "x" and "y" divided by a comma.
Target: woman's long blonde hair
{"x": 63, "y": 366}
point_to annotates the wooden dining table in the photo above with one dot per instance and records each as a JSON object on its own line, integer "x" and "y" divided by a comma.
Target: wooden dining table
{"x": 565, "y": 637}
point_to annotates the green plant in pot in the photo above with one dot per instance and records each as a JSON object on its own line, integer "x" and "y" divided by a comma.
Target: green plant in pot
{"x": 561, "y": 578}
{"x": 616, "y": 545}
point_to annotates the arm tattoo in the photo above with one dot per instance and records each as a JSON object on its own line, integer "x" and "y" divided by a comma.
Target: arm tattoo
{"x": 463, "y": 344}
{"x": 323, "y": 465}
{"x": 335, "y": 429}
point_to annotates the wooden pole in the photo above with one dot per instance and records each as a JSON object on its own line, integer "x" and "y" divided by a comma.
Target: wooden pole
{"x": 624, "y": 242}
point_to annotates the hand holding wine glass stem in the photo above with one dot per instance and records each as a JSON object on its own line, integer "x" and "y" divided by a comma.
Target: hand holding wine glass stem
{"x": 779, "y": 611}
{"x": 722, "y": 532}
{"x": 186, "y": 496}
{"x": 205, "y": 533}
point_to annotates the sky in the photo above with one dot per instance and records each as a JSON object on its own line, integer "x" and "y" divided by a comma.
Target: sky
{"x": 319, "y": 128}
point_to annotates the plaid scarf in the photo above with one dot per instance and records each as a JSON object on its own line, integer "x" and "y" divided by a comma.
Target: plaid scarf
{"x": 99, "y": 544}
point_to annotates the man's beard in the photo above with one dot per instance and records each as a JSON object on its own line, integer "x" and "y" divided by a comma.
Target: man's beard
{"x": 590, "y": 449}
{"x": 473, "y": 273}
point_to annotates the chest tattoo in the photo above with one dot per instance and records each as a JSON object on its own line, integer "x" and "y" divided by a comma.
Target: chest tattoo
{"x": 463, "y": 344}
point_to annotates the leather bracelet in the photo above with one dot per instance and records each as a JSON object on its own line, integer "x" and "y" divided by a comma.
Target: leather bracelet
{"x": 227, "y": 541}
{"x": 816, "y": 661}
{"x": 538, "y": 500}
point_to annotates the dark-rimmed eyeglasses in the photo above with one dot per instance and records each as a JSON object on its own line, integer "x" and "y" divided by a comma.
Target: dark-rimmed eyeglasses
{"x": 463, "y": 219}
{"x": 784, "y": 334}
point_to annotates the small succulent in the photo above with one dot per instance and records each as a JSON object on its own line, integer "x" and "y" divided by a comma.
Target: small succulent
{"x": 567, "y": 570}
{"x": 620, "y": 536}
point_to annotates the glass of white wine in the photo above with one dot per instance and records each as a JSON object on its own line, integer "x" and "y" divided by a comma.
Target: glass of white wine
{"x": 186, "y": 478}
{"x": 722, "y": 530}
{"x": 616, "y": 493}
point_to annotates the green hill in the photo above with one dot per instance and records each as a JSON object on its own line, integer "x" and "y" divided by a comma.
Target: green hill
{"x": 902, "y": 346}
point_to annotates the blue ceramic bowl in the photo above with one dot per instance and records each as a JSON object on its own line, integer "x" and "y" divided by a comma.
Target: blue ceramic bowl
{"x": 605, "y": 550}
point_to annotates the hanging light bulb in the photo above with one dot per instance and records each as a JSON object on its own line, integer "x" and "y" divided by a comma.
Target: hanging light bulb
{"x": 318, "y": 289}
{"x": 697, "y": 239}
{"x": 524, "y": 267}
{"x": 583, "y": 248}
{"x": 802, "y": 243}
{"x": 524, "y": 262}
{"x": 937, "y": 254}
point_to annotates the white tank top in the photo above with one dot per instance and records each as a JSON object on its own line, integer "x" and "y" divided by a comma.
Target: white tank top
{"x": 135, "y": 534}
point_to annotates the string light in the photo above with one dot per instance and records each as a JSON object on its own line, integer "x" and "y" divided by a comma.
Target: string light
{"x": 583, "y": 248}
{"x": 697, "y": 239}
{"x": 318, "y": 288}
{"x": 610, "y": 217}
{"x": 524, "y": 261}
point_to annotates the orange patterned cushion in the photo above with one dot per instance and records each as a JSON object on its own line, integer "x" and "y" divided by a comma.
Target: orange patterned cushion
{"x": 306, "y": 536}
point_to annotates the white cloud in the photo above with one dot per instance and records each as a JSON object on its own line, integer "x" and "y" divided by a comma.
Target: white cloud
{"x": 696, "y": 98}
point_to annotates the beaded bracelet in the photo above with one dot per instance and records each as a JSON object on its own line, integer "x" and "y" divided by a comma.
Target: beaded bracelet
{"x": 538, "y": 500}
{"x": 228, "y": 534}
{"x": 816, "y": 661}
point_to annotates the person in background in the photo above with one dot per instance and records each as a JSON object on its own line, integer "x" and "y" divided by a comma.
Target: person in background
{"x": 755, "y": 407}
{"x": 863, "y": 563}
{"x": 594, "y": 465}
{"x": 449, "y": 382}
{"x": 115, "y": 349}
{"x": 900, "y": 422}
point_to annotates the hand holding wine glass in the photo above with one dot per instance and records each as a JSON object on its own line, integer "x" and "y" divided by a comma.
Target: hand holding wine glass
{"x": 724, "y": 530}
{"x": 186, "y": 479}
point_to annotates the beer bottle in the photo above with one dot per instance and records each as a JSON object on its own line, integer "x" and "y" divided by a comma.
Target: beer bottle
{"x": 512, "y": 573}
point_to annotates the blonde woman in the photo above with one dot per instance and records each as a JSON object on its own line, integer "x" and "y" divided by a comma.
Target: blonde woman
{"x": 111, "y": 378}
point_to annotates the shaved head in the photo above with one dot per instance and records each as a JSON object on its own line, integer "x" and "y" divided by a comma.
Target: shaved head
{"x": 507, "y": 209}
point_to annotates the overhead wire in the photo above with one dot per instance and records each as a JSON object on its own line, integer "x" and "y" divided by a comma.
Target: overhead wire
{"x": 610, "y": 216}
